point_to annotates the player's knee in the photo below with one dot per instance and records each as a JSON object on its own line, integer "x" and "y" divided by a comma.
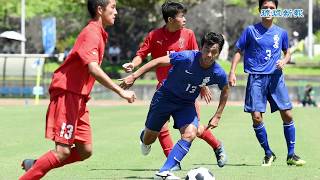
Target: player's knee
{"x": 189, "y": 136}
{"x": 63, "y": 153}
{"x": 200, "y": 130}
{"x": 85, "y": 151}
{"x": 86, "y": 154}
{"x": 257, "y": 119}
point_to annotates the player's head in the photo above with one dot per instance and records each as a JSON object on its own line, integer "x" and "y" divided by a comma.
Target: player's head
{"x": 268, "y": 4}
{"x": 173, "y": 13}
{"x": 104, "y": 9}
{"x": 211, "y": 46}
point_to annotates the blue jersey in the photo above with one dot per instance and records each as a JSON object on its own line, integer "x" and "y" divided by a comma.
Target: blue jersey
{"x": 186, "y": 77}
{"x": 262, "y": 48}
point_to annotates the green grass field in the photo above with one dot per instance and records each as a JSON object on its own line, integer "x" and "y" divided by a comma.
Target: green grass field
{"x": 117, "y": 152}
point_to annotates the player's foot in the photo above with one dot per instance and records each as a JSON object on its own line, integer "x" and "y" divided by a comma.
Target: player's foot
{"x": 177, "y": 167}
{"x": 27, "y": 164}
{"x": 267, "y": 160}
{"x": 221, "y": 155}
{"x": 165, "y": 175}
{"x": 145, "y": 149}
{"x": 295, "y": 160}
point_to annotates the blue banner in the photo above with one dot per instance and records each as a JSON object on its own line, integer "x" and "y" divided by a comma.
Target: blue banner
{"x": 49, "y": 35}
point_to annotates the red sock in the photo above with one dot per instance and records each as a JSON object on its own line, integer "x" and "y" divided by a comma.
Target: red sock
{"x": 74, "y": 157}
{"x": 165, "y": 140}
{"x": 210, "y": 139}
{"x": 44, "y": 164}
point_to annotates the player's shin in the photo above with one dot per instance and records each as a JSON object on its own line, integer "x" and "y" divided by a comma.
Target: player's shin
{"x": 289, "y": 133}
{"x": 180, "y": 149}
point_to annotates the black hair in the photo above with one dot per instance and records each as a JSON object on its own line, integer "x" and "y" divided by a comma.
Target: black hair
{"x": 92, "y": 6}
{"x": 171, "y": 9}
{"x": 262, "y": 1}
{"x": 212, "y": 38}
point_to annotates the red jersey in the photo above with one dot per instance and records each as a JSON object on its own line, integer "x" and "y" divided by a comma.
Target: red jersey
{"x": 161, "y": 42}
{"x": 73, "y": 75}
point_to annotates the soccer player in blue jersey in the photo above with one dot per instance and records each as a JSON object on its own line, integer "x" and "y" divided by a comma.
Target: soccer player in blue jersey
{"x": 191, "y": 70}
{"x": 262, "y": 44}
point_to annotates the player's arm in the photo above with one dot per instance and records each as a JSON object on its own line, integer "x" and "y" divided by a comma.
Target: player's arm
{"x": 136, "y": 61}
{"x": 287, "y": 57}
{"x": 234, "y": 63}
{"x": 128, "y": 81}
{"x": 96, "y": 71}
{"x": 222, "y": 103}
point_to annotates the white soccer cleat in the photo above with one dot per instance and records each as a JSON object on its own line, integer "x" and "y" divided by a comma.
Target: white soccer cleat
{"x": 145, "y": 149}
{"x": 165, "y": 175}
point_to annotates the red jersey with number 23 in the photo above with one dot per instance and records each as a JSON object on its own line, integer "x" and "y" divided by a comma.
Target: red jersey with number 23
{"x": 73, "y": 75}
{"x": 161, "y": 42}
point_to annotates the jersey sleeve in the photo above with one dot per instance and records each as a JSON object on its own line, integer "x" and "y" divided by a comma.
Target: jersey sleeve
{"x": 193, "y": 45}
{"x": 285, "y": 41}
{"x": 179, "y": 57}
{"x": 242, "y": 41}
{"x": 145, "y": 48}
{"x": 220, "y": 77}
{"x": 88, "y": 50}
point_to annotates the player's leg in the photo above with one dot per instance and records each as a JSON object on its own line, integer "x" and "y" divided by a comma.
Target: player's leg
{"x": 289, "y": 133}
{"x": 83, "y": 138}
{"x": 186, "y": 121}
{"x": 255, "y": 103}
{"x": 159, "y": 113}
{"x": 165, "y": 139}
{"x": 206, "y": 135}
{"x": 180, "y": 149}
{"x": 61, "y": 122}
{"x": 279, "y": 100}
{"x": 47, "y": 161}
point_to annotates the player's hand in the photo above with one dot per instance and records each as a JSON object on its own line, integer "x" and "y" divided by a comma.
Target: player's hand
{"x": 213, "y": 123}
{"x": 127, "y": 82}
{"x": 280, "y": 65}
{"x": 232, "y": 79}
{"x": 130, "y": 96}
{"x": 205, "y": 94}
{"x": 128, "y": 67}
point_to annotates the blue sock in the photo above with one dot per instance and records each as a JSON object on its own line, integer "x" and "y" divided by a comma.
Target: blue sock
{"x": 180, "y": 149}
{"x": 289, "y": 133}
{"x": 262, "y": 137}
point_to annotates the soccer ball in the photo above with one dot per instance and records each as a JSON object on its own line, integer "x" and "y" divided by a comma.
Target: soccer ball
{"x": 200, "y": 173}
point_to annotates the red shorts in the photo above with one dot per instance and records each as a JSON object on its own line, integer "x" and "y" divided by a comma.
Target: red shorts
{"x": 67, "y": 119}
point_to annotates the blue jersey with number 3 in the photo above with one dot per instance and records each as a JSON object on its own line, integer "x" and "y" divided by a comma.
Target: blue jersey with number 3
{"x": 186, "y": 77}
{"x": 262, "y": 48}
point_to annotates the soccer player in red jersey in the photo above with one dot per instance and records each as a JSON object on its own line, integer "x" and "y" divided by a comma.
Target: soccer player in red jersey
{"x": 174, "y": 37}
{"x": 67, "y": 122}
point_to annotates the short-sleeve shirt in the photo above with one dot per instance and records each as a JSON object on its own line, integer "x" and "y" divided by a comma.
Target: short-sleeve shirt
{"x": 187, "y": 76}
{"x": 73, "y": 75}
{"x": 160, "y": 42}
{"x": 262, "y": 48}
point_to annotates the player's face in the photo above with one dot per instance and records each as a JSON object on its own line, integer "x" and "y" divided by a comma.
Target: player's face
{"x": 179, "y": 20}
{"x": 209, "y": 55}
{"x": 108, "y": 13}
{"x": 268, "y": 5}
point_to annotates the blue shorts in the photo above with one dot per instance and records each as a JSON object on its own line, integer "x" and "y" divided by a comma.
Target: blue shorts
{"x": 263, "y": 87}
{"x": 163, "y": 105}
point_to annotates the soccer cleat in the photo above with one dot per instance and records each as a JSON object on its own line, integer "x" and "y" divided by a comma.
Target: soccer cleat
{"x": 165, "y": 175}
{"x": 145, "y": 149}
{"x": 295, "y": 160}
{"x": 27, "y": 164}
{"x": 221, "y": 155}
{"x": 267, "y": 160}
{"x": 177, "y": 167}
